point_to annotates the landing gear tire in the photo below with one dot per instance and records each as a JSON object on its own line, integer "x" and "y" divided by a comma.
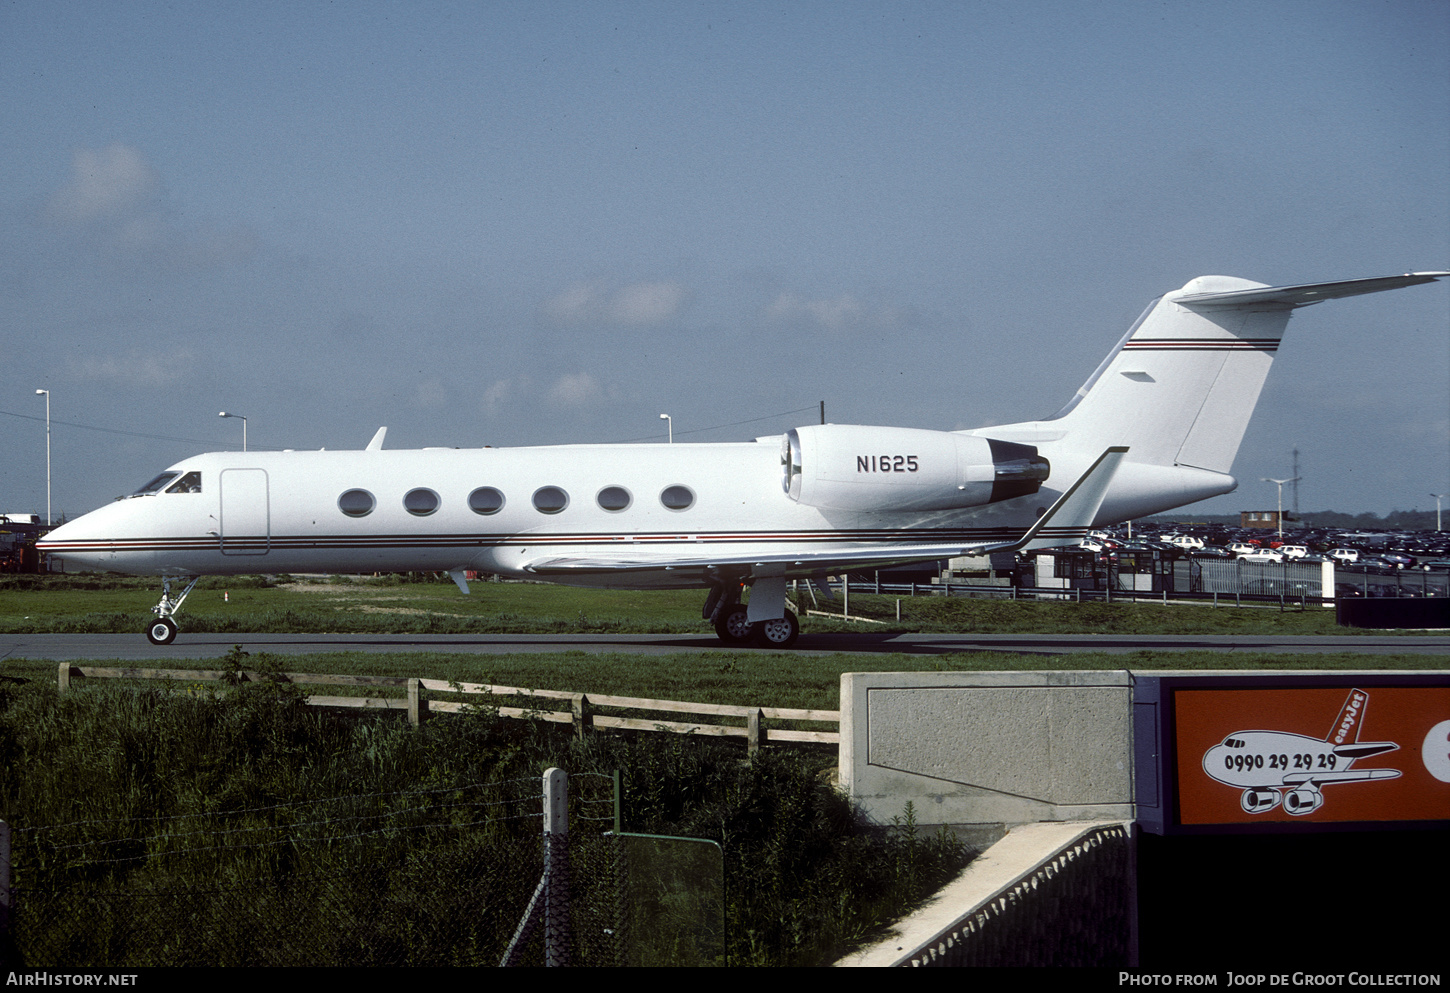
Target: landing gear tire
{"x": 161, "y": 631}
{"x": 779, "y": 633}
{"x": 733, "y": 625}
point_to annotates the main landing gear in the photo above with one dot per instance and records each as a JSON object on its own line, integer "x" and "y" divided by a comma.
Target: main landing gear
{"x": 162, "y": 631}
{"x": 733, "y": 625}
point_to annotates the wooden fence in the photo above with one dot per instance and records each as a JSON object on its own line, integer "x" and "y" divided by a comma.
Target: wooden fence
{"x": 583, "y": 710}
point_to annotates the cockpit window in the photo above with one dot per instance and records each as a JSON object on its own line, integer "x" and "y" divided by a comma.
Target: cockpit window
{"x": 190, "y": 483}
{"x": 155, "y": 485}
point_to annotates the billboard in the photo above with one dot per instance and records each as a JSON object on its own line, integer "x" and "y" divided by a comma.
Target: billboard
{"x": 1253, "y": 752}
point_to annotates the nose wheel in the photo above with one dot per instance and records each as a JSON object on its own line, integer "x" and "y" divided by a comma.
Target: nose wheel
{"x": 161, "y": 631}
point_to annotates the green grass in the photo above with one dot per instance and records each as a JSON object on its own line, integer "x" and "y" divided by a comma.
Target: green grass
{"x": 155, "y": 826}
{"x": 806, "y": 878}
{"x": 251, "y": 604}
{"x": 741, "y": 678}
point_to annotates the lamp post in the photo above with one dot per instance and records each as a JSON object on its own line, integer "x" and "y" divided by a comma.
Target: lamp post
{"x": 1438, "y": 497}
{"x": 1280, "y": 515}
{"x": 47, "y": 454}
{"x": 669, "y": 424}
{"x": 244, "y": 427}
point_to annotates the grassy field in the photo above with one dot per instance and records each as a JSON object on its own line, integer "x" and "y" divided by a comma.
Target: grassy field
{"x": 155, "y": 826}
{"x": 345, "y": 605}
{"x": 807, "y": 879}
{"x": 742, "y": 678}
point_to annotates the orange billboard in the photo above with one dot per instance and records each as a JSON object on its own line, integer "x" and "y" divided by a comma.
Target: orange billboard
{"x": 1312, "y": 755}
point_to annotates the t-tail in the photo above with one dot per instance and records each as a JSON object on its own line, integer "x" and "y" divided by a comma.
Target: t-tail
{"x": 1344, "y": 735}
{"x": 1180, "y": 387}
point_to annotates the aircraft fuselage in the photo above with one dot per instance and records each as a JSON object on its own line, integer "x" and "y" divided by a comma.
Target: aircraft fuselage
{"x": 285, "y": 512}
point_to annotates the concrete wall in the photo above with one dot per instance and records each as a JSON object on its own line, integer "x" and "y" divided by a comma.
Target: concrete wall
{"x": 988, "y": 747}
{"x": 1046, "y": 895}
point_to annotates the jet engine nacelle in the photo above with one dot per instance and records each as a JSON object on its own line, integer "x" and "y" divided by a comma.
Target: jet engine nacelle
{"x": 1257, "y": 801}
{"x": 1304, "y": 800}
{"x": 850, "y": 467}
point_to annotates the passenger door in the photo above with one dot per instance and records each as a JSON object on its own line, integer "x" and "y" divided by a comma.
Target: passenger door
{"x": 245, "y": 514}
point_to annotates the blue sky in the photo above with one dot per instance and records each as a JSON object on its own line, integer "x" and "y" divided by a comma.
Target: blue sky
{"x": 515, "y": 224}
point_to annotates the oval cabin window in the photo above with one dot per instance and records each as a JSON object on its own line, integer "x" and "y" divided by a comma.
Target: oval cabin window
{"x": 678, "y": 497}
{"x": 420, "y": 502}
{"x": 356, "y": 503}
{"x": 550, "y": 499}
{"x": 614, "y": 498}
{"x": 485, "y": 500}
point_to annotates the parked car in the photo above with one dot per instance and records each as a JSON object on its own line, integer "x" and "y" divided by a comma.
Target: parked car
{"x": 1346, "y": 556}
{"x": 1293, "y": 551}
{"x": 1262, "y": 556}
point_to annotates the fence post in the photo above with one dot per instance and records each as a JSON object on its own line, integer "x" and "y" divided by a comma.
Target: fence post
{"x": 7, "y": 901}
{"x": 754, "y": 731}
{"x": 62, "y": 682}
{"x": 583, "y": 714}
{"x": 556, "y": 867}
{"x": 417, "y": 703}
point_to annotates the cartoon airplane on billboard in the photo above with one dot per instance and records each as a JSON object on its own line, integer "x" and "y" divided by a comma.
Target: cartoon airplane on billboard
{"x": 1265, "y": 762}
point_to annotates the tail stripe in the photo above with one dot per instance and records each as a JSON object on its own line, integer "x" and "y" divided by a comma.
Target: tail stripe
{"x": 1202, "y": 345}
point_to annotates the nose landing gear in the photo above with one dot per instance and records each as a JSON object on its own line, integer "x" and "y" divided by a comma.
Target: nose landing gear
{"x": 162, "y": 631}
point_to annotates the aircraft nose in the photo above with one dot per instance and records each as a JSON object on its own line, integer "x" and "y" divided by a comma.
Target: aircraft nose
{"x": 77, "y": 542}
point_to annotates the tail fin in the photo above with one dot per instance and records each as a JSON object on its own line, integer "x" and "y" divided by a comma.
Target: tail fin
{"x": 1346, "y": 725}
{"x": 1182, "y": 384}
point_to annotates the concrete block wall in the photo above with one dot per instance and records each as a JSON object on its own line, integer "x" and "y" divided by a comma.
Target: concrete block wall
{"x": 988, "y": 747}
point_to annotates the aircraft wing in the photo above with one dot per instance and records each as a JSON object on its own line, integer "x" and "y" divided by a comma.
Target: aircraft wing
{"x": 1064, "y": 523}
{"x": 1349, "y": 776}
{"x": 1306, "y": 293}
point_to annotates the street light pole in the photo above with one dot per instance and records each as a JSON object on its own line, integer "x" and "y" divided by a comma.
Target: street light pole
{"x": 669, "y": 424}
{"x": 244, "y": 427}
{"x": 1280, "y": 515}
{"x": 1438, "y": 497}
{"x": 47, "y": 454}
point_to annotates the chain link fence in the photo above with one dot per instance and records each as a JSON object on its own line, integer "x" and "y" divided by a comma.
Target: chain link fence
{"x": 429, "y": 877}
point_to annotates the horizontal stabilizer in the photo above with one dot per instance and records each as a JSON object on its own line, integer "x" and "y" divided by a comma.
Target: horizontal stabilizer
{"x": 1305, "y": 293}
{"x": 1364, "y": 749}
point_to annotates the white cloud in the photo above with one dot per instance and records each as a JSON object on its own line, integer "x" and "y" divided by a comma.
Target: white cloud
{"x": 635, "y": 305}
{"x": 844, "y": 313}
{"x": 645, "y": 304}
{"x": 161, "y": 367}
{"x": 115, "y": 200}
{"x": 114, "y": 185}
{"x": 496, "y": 395}
{"x": 575, "y": 389}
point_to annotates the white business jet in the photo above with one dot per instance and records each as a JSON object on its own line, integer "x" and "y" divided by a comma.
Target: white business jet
{"x": 1155, "y": 427}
